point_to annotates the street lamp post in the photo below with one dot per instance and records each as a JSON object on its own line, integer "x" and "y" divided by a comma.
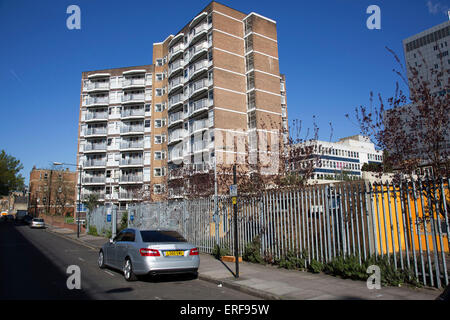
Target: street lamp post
{"x": 79, "y": 193}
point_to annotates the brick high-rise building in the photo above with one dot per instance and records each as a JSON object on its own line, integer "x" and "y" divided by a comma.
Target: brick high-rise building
{"x": 218, "y": 75}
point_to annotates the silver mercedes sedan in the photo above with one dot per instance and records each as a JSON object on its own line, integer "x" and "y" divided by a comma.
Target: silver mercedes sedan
{"x": 149, "y": 252}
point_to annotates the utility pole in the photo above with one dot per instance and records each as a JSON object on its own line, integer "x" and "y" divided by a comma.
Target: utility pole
{"x": 236, "y": 249}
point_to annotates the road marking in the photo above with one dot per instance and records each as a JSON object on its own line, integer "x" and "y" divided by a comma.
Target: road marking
{"x": 158, "y": 298}
{"x": 111, "y": 274}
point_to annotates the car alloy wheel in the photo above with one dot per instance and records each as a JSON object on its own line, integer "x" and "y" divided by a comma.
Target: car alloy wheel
{"x": 101, "y": 260}
{"x": 128, "y": 271}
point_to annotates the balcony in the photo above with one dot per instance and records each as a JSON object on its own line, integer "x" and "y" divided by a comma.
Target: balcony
{"x": 176, "y": 83}
{"x": 176, "y": 173}
{"x": 176, "y": 136}
{"x": 198, "y": 32}
{"x": 198, "y": 87}
{"x": 133, "y": 98}
{"x": 199, "y": 126}
{"x": 197, "y": 50}
{"x": 133, "y": 113}
{"x": 127, "y": 196}
{"x": 200, "y": 146}
{"x": 132, "y": 129}
{"x": 132, "y": 145}
{"x": 199, "y": 106}
{"x": 96, "y": 131}
{"x": 176, "y": 100}
{"x": 176, "y": 193}
{"x": 96, "y": 116}
{"x": 94, "y": 163}
{"x": 97, "y": 101}
{"x": 195, "y": 168}
{"x": 94, "y": 179}
{"x": 176, "y": 118}
{"x": 176, "y": 66}
{"x": 97, "y": 147}
{"x": 131, "y": 178}
{"x": 198, "y": 68}
{"x": 175, "y": 154}
{"x": 96, "y": 86}
{"x": 176, "y": 50}
{"x": 133, "y": 83}
{"x": 100, "y": 195}
{"x": 131, "y": 162}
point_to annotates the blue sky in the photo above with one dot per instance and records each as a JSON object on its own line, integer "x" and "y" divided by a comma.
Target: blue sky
{"x": 330, "y": 59}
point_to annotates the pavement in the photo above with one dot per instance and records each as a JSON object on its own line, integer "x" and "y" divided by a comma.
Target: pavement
{"x": 273, "y": 283}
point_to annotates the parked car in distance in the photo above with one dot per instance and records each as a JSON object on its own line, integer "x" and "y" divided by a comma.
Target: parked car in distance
{"x": 149, "y": 252}
{"x": 37, "y": 223}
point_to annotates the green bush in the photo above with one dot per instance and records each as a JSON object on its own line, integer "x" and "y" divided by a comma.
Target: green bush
{"x": 93, "y": 231}
{"x": 123, "y": 222}
{"x": 218, "y": 252}
{"x": 291, "y": 260}
{"x": 315, "y": 266}
{"x": 252, "y": 251}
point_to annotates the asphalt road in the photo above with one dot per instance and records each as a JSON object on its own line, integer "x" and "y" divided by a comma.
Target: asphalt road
{"x": 33, "y": 265}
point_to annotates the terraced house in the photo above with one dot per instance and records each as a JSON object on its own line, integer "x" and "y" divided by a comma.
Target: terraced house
{"x": 218, "y": 76}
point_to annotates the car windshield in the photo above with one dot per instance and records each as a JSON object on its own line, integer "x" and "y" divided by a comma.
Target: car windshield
{"x": 161, "y": 236}
{"x": 38, "y": 220}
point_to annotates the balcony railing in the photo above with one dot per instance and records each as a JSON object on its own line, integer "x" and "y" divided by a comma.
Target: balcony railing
{"x": 176, "y": 82}
{"x": 133, "y": 97}
{"x": 175, "y": 50}
{"x": 133, "y": 82}
{"x": 100, "y": 195}
{"x": 176, "y": 153}
{"x": 197, "y": 31}
{"x": 96, "y": 131}
{"x": 198, "y": 48}
{"x": 199, "y": 125}
{"x": 96, "y": 116}
{"x": 176, "y": 135}
{"x": 94, "y": 163}
{"x": 131, "y": 178}
{"x": 94, "y": 179}
{"x": 197, "y": 167}
{"x": 179, "y": 63}
{"x": 199, "y": 146}
{"x": 176, "y": 99}
{"x": 198, "y": 85}
{"x": 132, "y": 145}
{"x": 96, "y": 85}
{"x": 132, "y": 113}
{"x": 131, "y": 161}
{"x": 97, "y": 100}
{"x": 127, "y": 195}
{"x": 128, "y": 129}
{"x": 200, "y": 65}
{"x": 198, "y": 105}
{"x": 93, "y": 147}
{"x": 174, "y": 117}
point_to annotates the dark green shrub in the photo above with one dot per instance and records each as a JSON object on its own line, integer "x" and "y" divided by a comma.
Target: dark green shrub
{"x": 315, "y": 266}
{"x": 292, "y": 261}
{"x": 218, "y": 252}
{"x": 252, "y": 251}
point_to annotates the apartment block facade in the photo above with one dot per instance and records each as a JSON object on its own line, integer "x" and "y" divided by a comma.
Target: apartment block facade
{"x": 140, "y": 126}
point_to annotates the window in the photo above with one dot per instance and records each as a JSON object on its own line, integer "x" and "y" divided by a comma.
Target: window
{"x": 158, "y": 188}
{"x": 159, "y": 172}
{"x": 159, "y": 107}
{"x": 252, "y": 119}
{"x": 159, "y": 62}
{"x": 158, "y": 92}
{"x": 160, "y": 139}
{"x": 161, "y": 236}
{"x": 159, "y": 77}
{"x": 160, "y": 155}
{"x": 147, "y": 123}
{"x": 147, "y": 108}
{"x": 159, "y": 123}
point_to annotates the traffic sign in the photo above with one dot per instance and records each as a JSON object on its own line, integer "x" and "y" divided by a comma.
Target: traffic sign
{"x": 233, "y": 190}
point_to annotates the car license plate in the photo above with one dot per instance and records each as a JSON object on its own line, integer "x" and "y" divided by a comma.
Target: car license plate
{"x": 174, "y": 253}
